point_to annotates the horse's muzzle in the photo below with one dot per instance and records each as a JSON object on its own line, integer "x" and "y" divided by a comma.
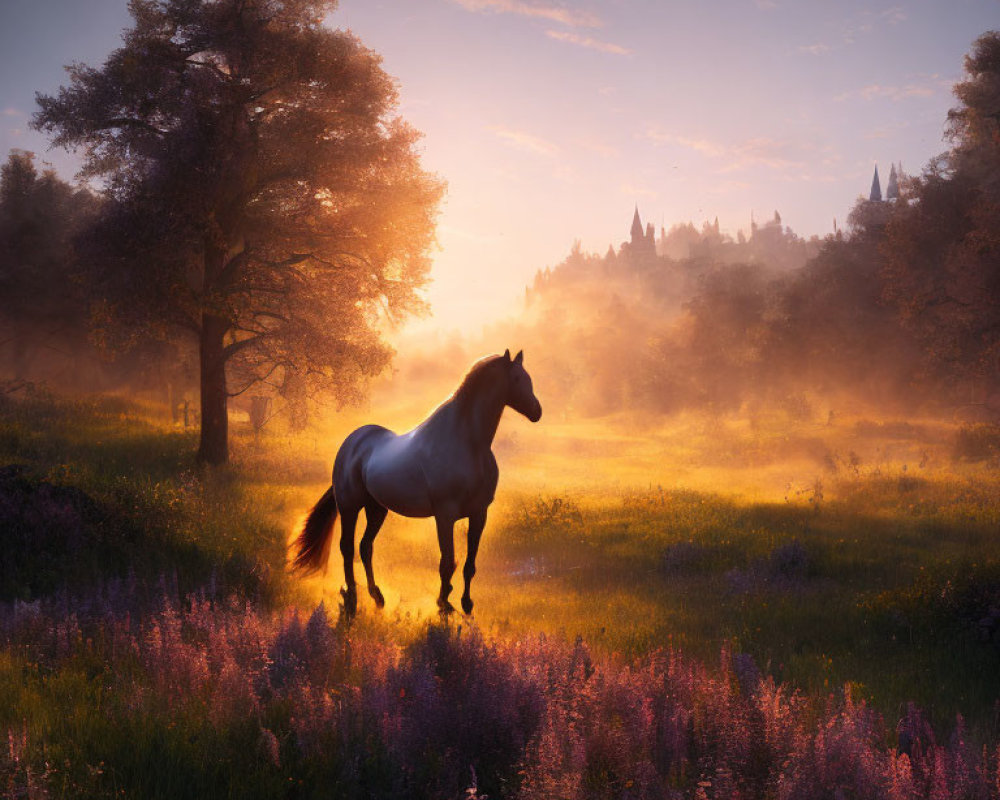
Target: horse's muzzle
{"x": 536, "y": 413}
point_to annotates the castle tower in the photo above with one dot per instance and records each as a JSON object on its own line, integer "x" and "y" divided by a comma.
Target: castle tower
{"x": 876, "y": 193}
{"x": 892, "y": 190}
{"x": 637, "y": 230}
{"x": 643, "y": 245}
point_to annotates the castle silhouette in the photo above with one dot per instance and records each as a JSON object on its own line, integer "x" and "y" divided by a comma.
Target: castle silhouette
{"x": 891, "y": 191}
{"x": 642, "y": 245}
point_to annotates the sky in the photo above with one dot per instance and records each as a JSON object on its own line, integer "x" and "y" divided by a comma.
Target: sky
{"x": 552, "y": 120}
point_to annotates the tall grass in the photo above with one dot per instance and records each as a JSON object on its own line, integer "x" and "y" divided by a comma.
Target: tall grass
{"x": 219, "y": 698}
{"x": 646, "y": 642}
{"x": 894, "y": 590}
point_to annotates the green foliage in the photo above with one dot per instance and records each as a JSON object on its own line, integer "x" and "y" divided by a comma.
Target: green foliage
{"x": 123, "y": 492}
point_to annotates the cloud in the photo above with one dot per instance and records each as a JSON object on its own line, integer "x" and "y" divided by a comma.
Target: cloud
{"x": 526, "y": 142}
{"x": 534, "y": 9}
{"x": 876, "y": 91}
{"x": 867, "y": 22}
{"x": 728, "y": 187}
{"x": 599, "y": 148}
{"x": 766, "y": 5}
{"x": 894, "y": 15}
{"x": 13, "y": 112}
{"x": 816, "y": 177}
{"x": 703, "y": 146}
{"x": 587, "y": 41}
{"x": 814, "y": 49}
{"x": 887, "y": 131}
{"x": 636, "y": 191}
{"x": 762, "y": 151}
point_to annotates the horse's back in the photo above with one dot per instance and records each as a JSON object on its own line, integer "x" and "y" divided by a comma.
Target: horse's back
{"x": 348, "y": 466}
{"x": 376, "y": 464}
{"x": 393, "y": 473}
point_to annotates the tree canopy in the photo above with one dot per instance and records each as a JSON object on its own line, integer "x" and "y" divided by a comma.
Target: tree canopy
{"x": 263, "y": 196}
{"x": 942, "y": 247}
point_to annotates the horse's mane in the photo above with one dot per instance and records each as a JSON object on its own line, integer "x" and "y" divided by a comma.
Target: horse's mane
{"x": 480, "y": 373}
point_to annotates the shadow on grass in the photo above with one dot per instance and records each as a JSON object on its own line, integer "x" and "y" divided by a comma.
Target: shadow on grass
{"x": 94, "y": 491}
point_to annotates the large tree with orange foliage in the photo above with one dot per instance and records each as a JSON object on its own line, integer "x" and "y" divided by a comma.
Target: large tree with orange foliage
{"x": 263, "y": 196}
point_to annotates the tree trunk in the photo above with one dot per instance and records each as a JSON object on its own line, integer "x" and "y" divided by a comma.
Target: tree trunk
{"x": 19, "y": 347}
{"x": 214, "y": 446}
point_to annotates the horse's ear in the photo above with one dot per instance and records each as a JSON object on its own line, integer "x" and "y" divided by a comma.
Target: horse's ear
{"x": 506, "y": 354}
{"x": 519, "y": 357}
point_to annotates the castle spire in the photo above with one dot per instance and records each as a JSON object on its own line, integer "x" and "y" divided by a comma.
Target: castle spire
{"x": 637, "y": 230}
{"x": 892, "y": 190}
{"x": 876, "y": 193}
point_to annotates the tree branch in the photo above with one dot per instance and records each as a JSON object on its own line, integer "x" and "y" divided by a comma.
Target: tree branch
{"x": 208, "y": 65}
{"x": 128, "y": 122}
{"x": 232, "y": 349}
{"x": 257, "y": 379}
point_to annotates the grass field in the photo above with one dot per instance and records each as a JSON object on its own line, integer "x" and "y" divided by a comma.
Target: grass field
{"x": 154, "y": 644}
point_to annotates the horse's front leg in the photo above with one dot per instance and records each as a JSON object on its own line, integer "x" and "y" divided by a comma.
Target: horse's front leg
{"x": 477, "y": 522}
{"x": 446, "y": 541}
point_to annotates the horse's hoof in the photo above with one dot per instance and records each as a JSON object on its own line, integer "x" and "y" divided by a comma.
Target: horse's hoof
{"x": 350, "y": 602}
{"x": 467, "y": 605}
{"x": 445, "y": 608}
{"x": 376, "y": 594}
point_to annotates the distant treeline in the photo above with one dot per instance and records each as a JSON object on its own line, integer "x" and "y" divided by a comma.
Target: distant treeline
{"x": 54, "y": 325}
{"x": 901, "y": 308}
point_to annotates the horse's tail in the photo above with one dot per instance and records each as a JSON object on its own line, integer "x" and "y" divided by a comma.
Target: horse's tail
{"x": 314, "y": 541}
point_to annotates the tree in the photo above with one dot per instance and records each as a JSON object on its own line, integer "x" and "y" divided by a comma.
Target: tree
{"x": 974, "y": 126}
{"x": 943, "y": 240}
{"x": 262, "y": 194}
{"x": 44, "y": 305}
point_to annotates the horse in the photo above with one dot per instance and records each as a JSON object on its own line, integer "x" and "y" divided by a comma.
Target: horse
{"x": 444, "y": 468}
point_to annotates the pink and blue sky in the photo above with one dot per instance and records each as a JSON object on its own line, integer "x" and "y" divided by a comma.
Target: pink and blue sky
{"x": 550, "y": 120}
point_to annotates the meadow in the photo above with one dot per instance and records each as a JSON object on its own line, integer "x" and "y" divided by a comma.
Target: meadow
{"x": 784, "y": 603}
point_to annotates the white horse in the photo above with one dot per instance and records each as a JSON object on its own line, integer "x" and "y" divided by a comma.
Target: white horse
{"x": 444, "y": 468}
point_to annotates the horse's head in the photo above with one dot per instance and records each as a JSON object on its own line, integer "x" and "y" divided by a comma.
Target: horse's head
{"x": 520, "y": 395}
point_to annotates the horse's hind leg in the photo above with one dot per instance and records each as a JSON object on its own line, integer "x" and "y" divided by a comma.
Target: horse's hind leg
{"x": 348, "y": 522}
{"x": 374, "y": 517}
